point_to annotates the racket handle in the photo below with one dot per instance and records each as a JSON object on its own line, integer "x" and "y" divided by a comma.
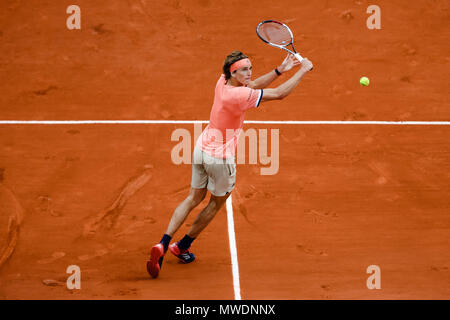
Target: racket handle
{"x": 299, "y": 57}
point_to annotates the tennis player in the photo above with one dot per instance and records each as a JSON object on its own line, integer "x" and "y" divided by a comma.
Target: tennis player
{"x": 214, "y": 167}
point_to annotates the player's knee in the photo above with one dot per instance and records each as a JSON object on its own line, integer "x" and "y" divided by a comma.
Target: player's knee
{"x": 192, "y": 202}
{"x": 215, "y": 203}
{"x": 196, "y": 198}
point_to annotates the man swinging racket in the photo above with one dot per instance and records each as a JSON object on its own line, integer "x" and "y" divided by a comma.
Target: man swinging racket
{"x": 214, "y": 167}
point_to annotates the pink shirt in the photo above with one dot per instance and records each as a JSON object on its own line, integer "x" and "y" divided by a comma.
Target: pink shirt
{"x": 220, "y": 137}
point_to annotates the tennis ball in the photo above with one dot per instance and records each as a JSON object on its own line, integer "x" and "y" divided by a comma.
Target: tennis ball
{"x": 364, "y": 81}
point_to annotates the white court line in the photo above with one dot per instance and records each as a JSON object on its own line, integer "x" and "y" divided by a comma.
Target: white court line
{"x": 80, "y": 122}
{"x": 102, "y": 121}
{"x": 233, "y": 250}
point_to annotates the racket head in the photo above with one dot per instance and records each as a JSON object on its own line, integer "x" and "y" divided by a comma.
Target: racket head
{"x": 275, "y": 33}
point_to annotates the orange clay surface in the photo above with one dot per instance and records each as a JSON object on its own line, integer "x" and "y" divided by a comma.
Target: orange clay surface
{"x": 345, "y": 197}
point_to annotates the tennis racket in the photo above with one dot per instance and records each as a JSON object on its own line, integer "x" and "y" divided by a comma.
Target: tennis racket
{"x": 278, "y": 35}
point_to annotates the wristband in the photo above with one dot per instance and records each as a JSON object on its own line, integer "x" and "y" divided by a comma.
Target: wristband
{"x": 277, "y": 72}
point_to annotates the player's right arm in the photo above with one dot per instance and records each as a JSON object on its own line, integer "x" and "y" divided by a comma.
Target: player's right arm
{"x": 288, "y": 86}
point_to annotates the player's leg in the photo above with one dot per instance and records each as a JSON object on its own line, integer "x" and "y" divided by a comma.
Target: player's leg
{"x": 180, "y": 214}
{"x": 221, "y": 181}
{"x": 181, "y": 248}
{"x": 199, "y": 182}
{"x": 207, "y": 215}
{"x": 196, "y": 195}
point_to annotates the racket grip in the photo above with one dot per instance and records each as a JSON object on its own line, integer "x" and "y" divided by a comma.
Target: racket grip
{"x": 299, "y": 57}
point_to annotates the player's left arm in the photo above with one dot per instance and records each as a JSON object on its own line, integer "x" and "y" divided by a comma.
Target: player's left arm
{"x": 262, "y": 82}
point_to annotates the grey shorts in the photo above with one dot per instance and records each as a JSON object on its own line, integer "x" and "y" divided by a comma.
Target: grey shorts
{"x": 218, "y": 175}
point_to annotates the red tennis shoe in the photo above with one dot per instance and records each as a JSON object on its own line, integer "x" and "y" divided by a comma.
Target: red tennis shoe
{"x": 184, "y": 255}
{"x": 156, "y": 258}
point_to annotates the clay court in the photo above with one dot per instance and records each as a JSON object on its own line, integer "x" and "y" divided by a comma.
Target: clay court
{"x": 346, "y": 196}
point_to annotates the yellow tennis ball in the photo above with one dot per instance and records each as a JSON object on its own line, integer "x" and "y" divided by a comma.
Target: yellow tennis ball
{"x": 364, "y": 81}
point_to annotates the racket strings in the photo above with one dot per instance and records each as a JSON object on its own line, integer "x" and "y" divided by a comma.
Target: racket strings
{"x": 275, "y": 33}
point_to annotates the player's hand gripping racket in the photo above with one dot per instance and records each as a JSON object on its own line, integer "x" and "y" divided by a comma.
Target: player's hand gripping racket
{"x": 277, "y": 34}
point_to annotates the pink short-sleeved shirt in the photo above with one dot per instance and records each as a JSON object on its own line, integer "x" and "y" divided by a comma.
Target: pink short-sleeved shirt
{"x": 220, "y": 137}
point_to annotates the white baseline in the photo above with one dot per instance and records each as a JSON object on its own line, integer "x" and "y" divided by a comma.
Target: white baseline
{"x": 86, "y": 122}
